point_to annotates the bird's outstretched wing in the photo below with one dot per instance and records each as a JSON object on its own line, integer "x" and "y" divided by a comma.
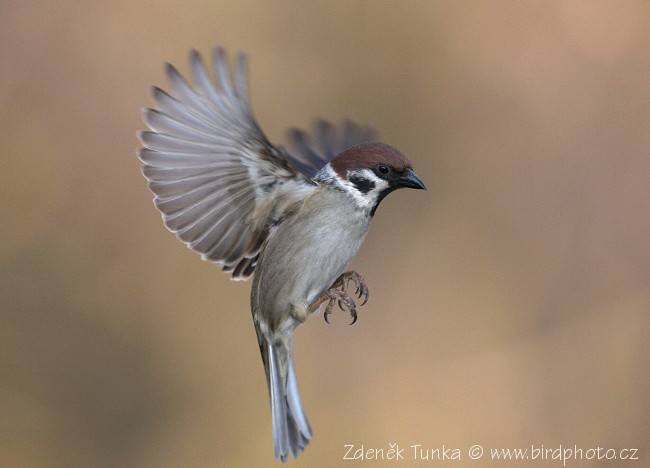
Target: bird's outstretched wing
{"x": 220, "y": 185}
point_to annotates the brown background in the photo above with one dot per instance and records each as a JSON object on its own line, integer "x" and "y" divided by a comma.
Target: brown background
{"x": 510, "y": 302}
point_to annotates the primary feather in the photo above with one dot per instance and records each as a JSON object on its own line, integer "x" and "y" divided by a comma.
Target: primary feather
{"x": 220, "y": 185}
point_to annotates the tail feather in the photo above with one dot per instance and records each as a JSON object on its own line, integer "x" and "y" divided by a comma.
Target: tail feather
{"x": 278, "y": 406}
{"x": 291, "y": 429}
{"x": 295, "y": 404}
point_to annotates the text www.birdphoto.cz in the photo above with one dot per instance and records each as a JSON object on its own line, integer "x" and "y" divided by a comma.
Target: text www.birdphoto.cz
{"x": 420, "y": 452}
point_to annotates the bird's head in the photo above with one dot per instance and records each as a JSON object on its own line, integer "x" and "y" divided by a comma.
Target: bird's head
{"x": 369, "y": 172}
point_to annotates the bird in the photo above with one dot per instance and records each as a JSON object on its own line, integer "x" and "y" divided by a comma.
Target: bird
{"x": 291, "y": 217}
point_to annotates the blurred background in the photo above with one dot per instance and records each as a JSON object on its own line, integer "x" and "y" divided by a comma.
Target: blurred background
{"x": 510, "y": 303}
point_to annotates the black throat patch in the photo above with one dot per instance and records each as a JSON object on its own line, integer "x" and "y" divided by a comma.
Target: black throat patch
{"x": 380, "y": 197}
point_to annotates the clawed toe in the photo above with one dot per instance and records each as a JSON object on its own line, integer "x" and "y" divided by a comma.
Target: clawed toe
{"x": 337, "y": 294}
{"x": 353, "y": 314}
{"x": 359, "y": 282}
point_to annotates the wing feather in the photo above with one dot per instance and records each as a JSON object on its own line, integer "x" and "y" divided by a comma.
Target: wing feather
{"x": 220, "y": 185}
{"x": 210, "y": 167}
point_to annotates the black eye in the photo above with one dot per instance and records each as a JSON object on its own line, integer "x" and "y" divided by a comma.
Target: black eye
{"x": 383, "y": 169}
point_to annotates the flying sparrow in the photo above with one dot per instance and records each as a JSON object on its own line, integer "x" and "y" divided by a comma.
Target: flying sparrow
{"x": 293, "y": 218}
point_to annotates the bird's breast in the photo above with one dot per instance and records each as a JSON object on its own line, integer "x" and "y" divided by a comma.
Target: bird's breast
{"x": 306, "y": 254}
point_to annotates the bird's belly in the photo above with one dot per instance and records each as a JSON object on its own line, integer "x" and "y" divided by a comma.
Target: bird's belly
{"x": 319, "y": 265}
{"x": 321, "y": 271}
{"x": 311, "y": 263}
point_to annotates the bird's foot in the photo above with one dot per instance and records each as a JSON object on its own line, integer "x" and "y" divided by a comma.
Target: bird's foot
{"x": 337, "y": 294}
{"x": 359, "y": 282}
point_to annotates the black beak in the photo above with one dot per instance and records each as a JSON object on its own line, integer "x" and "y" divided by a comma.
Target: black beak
{"x": 410, "y": 180}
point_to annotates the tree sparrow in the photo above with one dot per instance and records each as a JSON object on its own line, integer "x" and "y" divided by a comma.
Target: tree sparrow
{"x": 293, "y": 218}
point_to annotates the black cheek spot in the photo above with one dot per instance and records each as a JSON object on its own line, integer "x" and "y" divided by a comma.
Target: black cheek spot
{"x": 362, "y": 184}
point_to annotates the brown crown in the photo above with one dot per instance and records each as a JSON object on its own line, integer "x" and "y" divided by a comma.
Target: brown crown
{"x": 369, "y": 155}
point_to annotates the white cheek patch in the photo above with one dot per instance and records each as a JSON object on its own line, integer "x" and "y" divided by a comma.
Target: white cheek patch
{"x": 365, "y": 187}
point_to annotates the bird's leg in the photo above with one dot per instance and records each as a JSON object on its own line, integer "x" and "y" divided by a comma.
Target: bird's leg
{"x": 332, "y": 295}
{"x": 337, "y": 293}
